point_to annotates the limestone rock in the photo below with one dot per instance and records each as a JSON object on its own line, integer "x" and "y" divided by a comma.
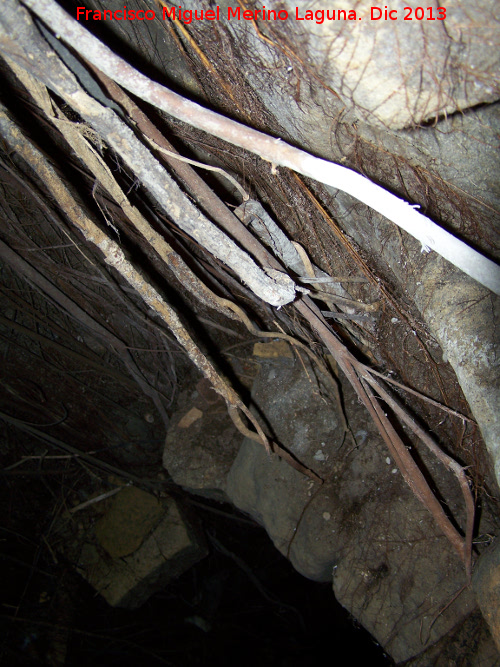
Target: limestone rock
{"x": 131, "y": 517}
{"x": 392, "y": 569}
{"x": 395, "y": 72}
{"x": 140, "y": 545}
{"x": 486, "y": 583}
{"x": 199, "y": 453}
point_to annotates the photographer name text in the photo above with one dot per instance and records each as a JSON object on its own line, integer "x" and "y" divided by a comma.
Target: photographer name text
{"x": 319, "y": 16}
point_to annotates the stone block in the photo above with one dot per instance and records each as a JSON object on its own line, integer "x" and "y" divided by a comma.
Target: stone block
{"x": 141, "y": 543}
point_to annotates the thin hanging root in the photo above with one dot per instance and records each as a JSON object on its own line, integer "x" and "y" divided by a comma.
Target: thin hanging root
{"x": 423, "y": 397}
{"x": 410, "y": 470}
{"x": 400, "y": 212}
{"x": 368, "y": 273}
{"x": 203, "y": 58}
{"x": 326, "y": 374}
{"x": 114, "y": 256}
{"x": 218, "y": 170}
{"x": 272, "y": 447}
{"x": 446, "y": 460}
{"x": 289, "y": 53}
{"x": 359, "y": 376}
{"x": 279, "y": 153}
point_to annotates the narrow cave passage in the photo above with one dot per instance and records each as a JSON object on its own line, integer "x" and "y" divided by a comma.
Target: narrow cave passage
{"x": 249, "y": 298}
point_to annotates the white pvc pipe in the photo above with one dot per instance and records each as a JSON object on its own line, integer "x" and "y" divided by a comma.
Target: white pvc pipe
{"x": 406, "y": 216}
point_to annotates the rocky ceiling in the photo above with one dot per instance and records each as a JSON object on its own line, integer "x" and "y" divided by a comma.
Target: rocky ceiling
{"x": 181, "y": 181}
